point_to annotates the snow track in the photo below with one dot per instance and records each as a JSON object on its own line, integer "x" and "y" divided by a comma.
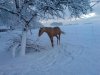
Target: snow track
{"x": 78, "y": 54}
{"x": 42, "y": 61}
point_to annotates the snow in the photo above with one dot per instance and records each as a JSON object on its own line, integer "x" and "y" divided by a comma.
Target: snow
{"x": 78, "y": 53}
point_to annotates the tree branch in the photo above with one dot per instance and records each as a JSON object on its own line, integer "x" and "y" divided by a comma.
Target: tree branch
{"x": 14, "y": 13}
{"x": 17, "y": 4}
{"x": 32, "y": 17}
{"x": 96, "y": 2}
{"x": 7, "y": 10}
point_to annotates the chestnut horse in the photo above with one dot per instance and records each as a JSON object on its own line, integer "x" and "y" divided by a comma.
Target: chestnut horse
{"x": 51, "y": 31}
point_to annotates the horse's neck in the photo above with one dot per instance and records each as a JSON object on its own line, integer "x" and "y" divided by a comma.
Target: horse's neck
{"x": 46, "y": 31}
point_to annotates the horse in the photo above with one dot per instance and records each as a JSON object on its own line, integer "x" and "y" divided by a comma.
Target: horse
{"x": 51, "y": 31}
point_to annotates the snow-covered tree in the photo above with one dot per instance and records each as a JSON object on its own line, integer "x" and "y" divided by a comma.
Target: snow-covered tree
{"x": 23, "y": 12}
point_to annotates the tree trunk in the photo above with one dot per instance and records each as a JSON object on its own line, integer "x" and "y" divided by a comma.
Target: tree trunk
{"x": 14, "y": 49}
{"x": 23, "y": 42}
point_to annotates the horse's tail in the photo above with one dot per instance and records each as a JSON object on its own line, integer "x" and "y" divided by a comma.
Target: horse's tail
{"x": 62, "y": 32}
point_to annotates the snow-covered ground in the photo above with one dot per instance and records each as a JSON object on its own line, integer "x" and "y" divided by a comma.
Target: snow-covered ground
{"x": 78, "y": 54}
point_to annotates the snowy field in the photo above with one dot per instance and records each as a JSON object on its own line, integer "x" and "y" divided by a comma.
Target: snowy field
{"x": 78, "y": 54}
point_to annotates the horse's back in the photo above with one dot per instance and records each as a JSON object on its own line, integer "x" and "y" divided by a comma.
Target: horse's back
{"x": 57, "y": 29}
{"x": 53, "y": 30}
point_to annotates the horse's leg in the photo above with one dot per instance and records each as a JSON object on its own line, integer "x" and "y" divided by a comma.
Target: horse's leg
{"x": 52, "y": 41}
{"x": 57, "y": 39}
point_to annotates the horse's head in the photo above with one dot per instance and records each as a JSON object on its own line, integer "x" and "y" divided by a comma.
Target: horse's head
{"x": 41, "y": 30}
